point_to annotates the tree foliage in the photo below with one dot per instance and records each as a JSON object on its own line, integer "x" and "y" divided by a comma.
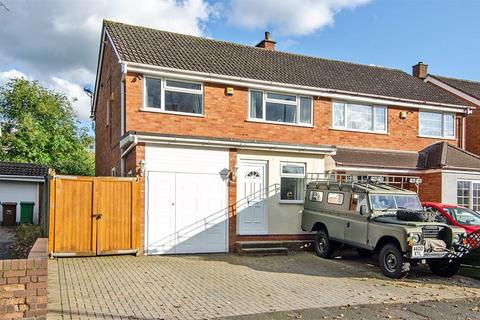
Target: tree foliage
{"x": 40, "y": 126}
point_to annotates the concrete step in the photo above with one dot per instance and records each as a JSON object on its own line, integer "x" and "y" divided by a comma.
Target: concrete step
{"x": 292, "y": 245}
{"x": 262, "y": 252}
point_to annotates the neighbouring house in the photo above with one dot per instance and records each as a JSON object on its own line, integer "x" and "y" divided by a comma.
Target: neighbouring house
{"x": 24, "y": 184}
{"x": 224, "y": 136}
{"x": 449, "y": 174}
{"x": 469, "y": 91}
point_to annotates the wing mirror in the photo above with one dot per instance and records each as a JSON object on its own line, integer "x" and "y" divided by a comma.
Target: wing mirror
{"x": 363, "y": 209}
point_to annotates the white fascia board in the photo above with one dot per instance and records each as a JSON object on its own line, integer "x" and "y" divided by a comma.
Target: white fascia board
{"x": 105, "y": 36}
{"x": 97, "y": 76}
{"x": 451, "y": 89}
{"x": 289, "y": 88}
{"x": 228, "y": 144}
{"x": 22, "y": 178}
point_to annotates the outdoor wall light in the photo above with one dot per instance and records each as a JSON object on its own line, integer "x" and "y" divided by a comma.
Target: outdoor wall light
{"x": 141, "y": 167}
{"x": 233, "y": 173}
{"x": 229, "y": 91}
{"x": 403, "y": 115}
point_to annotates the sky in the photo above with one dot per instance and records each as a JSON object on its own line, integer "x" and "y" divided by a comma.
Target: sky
{"x": 56, "y": 41}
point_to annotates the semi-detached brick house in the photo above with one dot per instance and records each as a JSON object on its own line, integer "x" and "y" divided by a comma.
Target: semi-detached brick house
{"x": 224, "y": 135}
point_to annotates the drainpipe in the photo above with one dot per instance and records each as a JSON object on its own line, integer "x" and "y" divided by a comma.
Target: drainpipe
{"x": 122, "y": 113}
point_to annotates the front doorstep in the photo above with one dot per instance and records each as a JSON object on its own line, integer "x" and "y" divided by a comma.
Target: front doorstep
{"x": 272, "y": 247}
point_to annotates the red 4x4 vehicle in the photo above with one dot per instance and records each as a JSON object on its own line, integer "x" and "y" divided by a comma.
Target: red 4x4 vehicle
{"x": 455, "y": 215}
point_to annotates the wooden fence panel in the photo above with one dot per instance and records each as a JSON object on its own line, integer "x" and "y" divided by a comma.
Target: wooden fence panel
{"x": 94, "y": 215}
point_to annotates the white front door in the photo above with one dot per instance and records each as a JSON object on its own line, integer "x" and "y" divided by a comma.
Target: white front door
{"x": 252, "y": 197}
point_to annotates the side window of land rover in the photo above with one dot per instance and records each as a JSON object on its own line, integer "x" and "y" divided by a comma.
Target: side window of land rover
{"x": 316, "y": 196}
{"x": 335, "y": 198}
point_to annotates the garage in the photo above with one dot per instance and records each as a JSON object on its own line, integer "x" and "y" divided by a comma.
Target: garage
{"x": 186, "y": 200}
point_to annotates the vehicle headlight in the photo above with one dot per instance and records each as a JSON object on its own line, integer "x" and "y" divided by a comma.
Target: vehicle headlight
{"x": 415, "y": 237}
{"x": 457, "y": 238}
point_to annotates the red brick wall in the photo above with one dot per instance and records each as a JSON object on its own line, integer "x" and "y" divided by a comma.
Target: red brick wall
{"x": 226, "y": 117}
{"x": 232, "y": 203}
{"x": 431, "y": 187}
{"x": 473, "y": 132}
{"x": 23, "y": 285}
{"x": 108, "y": 120}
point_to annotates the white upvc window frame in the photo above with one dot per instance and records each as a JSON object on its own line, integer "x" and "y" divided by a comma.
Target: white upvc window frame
{"x": 293, "y": 103}
{"x": 470, "y": 192}
{"x": 442, "y": 136}
{"x": 292, "y": 175}
{"x": 165, "y": 87}
{"x": 345, "y": 111}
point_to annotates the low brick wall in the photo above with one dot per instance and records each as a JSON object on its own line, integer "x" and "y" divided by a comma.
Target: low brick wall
{"x": 23, "y": 285}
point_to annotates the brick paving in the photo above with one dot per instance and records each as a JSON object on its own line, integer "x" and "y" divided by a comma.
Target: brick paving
{"x": 209, "y": 286}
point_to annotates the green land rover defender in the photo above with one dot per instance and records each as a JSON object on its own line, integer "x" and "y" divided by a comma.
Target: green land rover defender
{"x": 376, "y": 216}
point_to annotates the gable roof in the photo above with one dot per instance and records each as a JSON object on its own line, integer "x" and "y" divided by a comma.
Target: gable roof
{"x": 159, "y": 48}
{"x": 469, "y": 87}
{"x": 23, "y": 169}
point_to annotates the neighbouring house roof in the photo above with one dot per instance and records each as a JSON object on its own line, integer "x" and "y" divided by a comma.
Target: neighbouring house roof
{"x": 23, "y": 169}
{"x": 159, "y": 48}
{"x": 376, "y": 158}
{"x": 440, "y": 155}
{"x": 469, "y": 87}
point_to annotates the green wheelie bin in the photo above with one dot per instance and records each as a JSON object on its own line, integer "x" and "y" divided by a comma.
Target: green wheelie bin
{"x": 26, "y": 211}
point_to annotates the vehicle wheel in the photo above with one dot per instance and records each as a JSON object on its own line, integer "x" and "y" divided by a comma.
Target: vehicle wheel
{"x": 323, "y": 245}
{"x": 444, "y": 267}
{"x": 365, "y": 253}
{"x": 392, "y": 263}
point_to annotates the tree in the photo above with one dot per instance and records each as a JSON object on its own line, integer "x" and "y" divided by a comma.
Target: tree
{"x": 40, "y": 126}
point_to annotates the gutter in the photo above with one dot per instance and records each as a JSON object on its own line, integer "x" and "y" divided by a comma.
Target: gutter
{"x": 22, "y": 178}
{"x": 133, "y": 139}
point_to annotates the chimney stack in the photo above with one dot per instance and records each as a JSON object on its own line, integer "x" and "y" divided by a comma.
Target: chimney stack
{"x": 267, "y": 43}
{"x": 420, "y": 70}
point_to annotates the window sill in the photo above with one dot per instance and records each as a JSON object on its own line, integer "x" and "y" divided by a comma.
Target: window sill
{"x": 360, "y": 131}
{"x": 281, "y": 123}
{"x": 433, "y": 137}
{"x": 291, "y": 201}
{"x": 172, "y": 112}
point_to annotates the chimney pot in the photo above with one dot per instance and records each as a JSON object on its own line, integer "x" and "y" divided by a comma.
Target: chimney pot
{"x": 267, "y": 35}
{"x": 420, "y": 70}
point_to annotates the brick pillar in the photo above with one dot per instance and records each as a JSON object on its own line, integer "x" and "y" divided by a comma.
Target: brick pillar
{"x": 232, "y": 202}
{"x": 139, "y": 156}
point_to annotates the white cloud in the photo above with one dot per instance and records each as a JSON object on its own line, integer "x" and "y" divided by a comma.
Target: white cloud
{"x": 288, "y": 17}
{"x": 8, "y": 75}
{"x": 56, "y": 41}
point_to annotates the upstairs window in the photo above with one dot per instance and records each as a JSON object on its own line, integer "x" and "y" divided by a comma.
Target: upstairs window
{"x": 359, "y": 117}
{"x": 277, "y": 107}
{"x": 173, "y": 96}
{"x": 437, "y": 125}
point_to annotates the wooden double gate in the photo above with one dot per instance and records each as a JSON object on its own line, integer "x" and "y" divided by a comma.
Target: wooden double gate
{"x": 94, "y": 216}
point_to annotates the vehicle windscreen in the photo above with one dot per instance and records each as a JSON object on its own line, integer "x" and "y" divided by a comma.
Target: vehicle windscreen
{"x": 464, "y": 216}
{"x": 384, "y": 202}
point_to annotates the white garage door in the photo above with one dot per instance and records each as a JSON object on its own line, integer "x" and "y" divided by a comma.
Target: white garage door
{"x": 186, "y": 200}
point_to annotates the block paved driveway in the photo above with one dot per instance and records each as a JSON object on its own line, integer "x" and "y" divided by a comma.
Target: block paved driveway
{"x": 210, "y": 286}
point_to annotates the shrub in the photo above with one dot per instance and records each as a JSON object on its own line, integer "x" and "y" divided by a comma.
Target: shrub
{"x": 24, "y": 238}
